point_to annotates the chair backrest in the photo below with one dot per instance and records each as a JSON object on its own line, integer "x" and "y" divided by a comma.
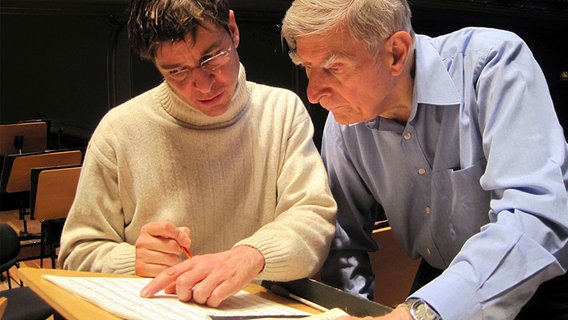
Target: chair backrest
{"x": 9, "y": 246}
{"x": 3, "y": 305}
{"x": 53, "y": 191}
{"x": 25, "y": 137}
{"x": 16, "y": 172}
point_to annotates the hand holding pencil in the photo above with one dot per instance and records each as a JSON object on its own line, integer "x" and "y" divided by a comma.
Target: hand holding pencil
{"x": 210, "y": 278}
{"x": 159, "y": 246}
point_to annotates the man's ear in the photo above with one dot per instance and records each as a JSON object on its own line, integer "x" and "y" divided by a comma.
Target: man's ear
{"x": 400, "y": 47}
{"x": 233, "y": 29}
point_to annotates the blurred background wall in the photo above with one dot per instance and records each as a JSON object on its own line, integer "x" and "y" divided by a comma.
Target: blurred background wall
{"x": 69, "y": 60}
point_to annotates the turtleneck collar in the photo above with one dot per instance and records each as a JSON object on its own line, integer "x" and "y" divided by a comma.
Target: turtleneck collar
{"x": 192, "y": 117}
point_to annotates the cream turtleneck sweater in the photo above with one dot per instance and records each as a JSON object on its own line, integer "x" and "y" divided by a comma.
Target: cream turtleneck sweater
{"x": 250, "y": 176}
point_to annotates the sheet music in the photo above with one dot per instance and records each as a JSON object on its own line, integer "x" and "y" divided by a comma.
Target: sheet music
{"x": 121, "y": 297}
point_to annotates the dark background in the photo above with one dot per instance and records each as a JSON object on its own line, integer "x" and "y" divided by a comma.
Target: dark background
{"x": 69, "y": 60}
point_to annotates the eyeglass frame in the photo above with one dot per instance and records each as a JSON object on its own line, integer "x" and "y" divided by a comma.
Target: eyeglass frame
{"x": 172, "y": 74}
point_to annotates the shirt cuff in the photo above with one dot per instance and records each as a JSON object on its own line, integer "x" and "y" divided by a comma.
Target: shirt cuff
{"x": 452, "y": 297}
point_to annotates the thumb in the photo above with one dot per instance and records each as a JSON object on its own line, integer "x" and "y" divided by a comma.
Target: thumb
{"x": 183, "y": 237}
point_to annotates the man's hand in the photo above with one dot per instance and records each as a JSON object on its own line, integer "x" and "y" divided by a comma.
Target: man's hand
{"x": 211, "y": 278}
{"x": 399, "y": 313}
{"x": 158, "y": 247}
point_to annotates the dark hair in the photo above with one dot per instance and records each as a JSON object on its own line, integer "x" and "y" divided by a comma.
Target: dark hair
{"x": 153, "y": 22}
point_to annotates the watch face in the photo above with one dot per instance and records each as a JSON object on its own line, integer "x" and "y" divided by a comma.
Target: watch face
{"x": 421, "y": 311}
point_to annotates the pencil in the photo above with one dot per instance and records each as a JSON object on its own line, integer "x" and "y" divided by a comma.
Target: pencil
{"x": 187, "y": 253}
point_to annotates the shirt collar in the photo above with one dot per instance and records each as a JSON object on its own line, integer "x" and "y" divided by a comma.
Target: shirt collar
{"x": 433, "y": 83}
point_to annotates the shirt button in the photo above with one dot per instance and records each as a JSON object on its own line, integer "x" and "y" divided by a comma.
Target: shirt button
{"x": 428, "y": 251}
{"x": 421, "y": 171}
{"x": 428, "y": 210}
{"x": 407, "y": 136}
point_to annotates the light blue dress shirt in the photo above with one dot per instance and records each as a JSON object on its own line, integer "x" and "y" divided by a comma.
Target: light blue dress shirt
{"x": 475, "y": 182}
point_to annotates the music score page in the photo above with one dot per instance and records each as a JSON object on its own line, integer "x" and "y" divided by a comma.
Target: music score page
{"x": 121, "y": 297}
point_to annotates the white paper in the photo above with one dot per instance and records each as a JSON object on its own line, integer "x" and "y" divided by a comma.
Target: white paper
{"x": 121, "y": 297}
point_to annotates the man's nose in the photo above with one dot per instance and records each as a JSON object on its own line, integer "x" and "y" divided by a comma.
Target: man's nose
{"x": 317, "y": 88}
{"x": 202, "y": 79}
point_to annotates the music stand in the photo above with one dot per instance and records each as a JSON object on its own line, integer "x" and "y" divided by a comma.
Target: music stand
{"x": 23, "y": 137}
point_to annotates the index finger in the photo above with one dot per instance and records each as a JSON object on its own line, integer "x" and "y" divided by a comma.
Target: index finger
{"x": 162, "y": 280}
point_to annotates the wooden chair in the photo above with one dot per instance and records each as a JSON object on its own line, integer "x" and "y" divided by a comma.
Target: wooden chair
{"x": 3, "y": 305}
{"x": 24, "y": 137}
{"x": 51, "y": 196}
{"x": 16, "y": 175}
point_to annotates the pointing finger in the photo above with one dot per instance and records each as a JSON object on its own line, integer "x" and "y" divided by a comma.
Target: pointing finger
{"x": 162, "y": 280}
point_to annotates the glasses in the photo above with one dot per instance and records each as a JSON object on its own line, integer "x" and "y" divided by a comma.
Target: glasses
{"x": 209, "y": 64}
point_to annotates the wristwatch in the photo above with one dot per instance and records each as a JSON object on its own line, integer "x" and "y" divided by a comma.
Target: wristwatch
{"x": 420, "y": 310}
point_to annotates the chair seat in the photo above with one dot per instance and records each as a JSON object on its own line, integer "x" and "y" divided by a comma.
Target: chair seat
{"x": 24, "y": 304}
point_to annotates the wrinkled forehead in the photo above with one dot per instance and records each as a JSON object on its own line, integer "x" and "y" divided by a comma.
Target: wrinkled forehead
{"x": 325, "y": 48}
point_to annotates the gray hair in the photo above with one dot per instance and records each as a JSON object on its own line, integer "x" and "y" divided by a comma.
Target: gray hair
{"x": 369, "y": 21}
{"x": 153, "y": 22}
